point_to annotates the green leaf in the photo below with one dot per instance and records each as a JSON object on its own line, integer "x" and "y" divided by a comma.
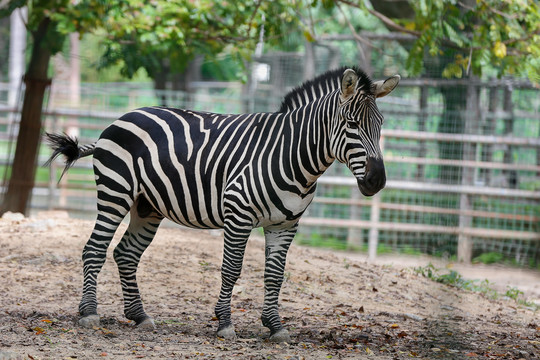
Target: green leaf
{"x": 453, "y": 35}
{"x": 308, "y": 36}
{"x": 452, "y": 70}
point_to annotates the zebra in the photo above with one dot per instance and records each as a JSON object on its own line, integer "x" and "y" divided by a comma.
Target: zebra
{"x": 235, "y": 172}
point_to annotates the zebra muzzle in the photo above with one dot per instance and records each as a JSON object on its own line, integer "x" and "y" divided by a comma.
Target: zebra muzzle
{"x": 375, "y": 178}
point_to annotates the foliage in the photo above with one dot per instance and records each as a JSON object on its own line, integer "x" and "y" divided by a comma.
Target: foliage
{"x": 318, "y": 240}
{"x": 161, "y": 35}
{"x": 496, "y": 36}
{"x": 513, "y": 293}
{"x": 489, "y": 258}
{"x": 65, "y": 17}
{"x": 151, "y": 34}
{"x": 453, "y": 278}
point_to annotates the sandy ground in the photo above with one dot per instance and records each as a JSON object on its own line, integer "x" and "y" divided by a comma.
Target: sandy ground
{"x": 501, "y": 278}
{"x": 335, "y": 305}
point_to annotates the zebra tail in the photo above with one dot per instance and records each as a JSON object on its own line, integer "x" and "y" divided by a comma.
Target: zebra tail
{"x": 69, "y": 148}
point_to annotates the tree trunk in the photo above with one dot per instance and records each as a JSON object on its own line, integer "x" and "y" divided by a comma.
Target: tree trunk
{"x": 160, "y": 86}
{"x": 23, "y": 169}
{"x": 455, "y": 99}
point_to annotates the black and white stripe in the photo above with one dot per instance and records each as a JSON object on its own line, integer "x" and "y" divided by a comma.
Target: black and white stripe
{"x": 235, "y": 172}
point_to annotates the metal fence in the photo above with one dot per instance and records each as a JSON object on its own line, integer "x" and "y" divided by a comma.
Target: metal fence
{"x": 462, "y": 160}
{"x": 472, "y": 189}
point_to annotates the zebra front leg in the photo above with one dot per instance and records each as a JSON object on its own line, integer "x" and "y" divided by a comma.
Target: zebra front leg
{"x": 142, "y": 228}
{"x": 236, "y": 236}
{"x": 277, "y": 242}
{"x": 93, "y": 256}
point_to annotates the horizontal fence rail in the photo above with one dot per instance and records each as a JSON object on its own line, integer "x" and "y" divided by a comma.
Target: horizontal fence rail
{"x": 491, "y": 202}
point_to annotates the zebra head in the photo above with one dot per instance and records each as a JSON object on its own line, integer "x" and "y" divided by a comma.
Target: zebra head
{"x": 358, "y": 129}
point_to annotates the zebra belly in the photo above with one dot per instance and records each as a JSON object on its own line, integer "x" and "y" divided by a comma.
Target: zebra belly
{"x": 190, "y": 216}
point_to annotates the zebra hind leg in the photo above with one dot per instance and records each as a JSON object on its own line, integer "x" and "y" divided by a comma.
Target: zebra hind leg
{"x": 93, "y": 256}
{"x": 142, "y": 227}
{"x": 277, "y": 244}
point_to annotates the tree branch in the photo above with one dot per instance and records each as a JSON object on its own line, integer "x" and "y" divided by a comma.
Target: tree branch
{"x": 353, "y": 31}
{"x": 250, "y": 22}
{"x": 393, "y": 25}
{"x": 386, "y": 20}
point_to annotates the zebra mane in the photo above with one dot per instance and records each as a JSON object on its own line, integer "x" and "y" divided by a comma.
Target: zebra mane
{"x": 321, "y": 85}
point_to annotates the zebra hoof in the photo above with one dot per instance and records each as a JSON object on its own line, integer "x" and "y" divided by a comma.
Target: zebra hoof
{"x": 89, "y": 321}
{"x": 281, "y": 336}
{"x": 147, "y": 324}
{"x": 227, "y": 333}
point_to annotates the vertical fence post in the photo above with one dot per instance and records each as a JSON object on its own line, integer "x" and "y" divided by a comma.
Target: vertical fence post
{"x": 465, "y": 245}
{"x": 53, "y": 167}
{"x": 422, "y": 118}
{"x": 508, "y": 109}
{"x": 373, "y": 237}
{"x": 374, "y": 226}
{"x": 354, "y": 235}
{"x": 489, "y": 125}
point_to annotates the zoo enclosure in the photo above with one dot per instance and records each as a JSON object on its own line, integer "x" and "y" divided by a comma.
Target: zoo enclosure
{"x": 462, "y": 179}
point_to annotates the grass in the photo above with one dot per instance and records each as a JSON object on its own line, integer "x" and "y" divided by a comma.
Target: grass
{"x": 453, "y": 278}
{"x": 489, "y": 258}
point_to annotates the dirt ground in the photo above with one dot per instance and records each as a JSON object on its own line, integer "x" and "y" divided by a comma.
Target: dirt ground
{"x": 334, "y": 305}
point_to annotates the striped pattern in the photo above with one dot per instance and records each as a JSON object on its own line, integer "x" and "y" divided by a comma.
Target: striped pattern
{"x": 235, "y": 172}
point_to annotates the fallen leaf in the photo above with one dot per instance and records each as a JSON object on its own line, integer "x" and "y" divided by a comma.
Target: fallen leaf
{"x": 471, "y": 354}
{"x": 39, "y": 330}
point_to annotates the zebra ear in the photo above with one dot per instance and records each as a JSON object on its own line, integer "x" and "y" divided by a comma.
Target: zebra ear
{"x": 382, "y": 88}
{"x": 348, "y": 83}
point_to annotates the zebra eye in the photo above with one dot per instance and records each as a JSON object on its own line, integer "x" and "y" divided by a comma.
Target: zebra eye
{"x": 352, "y": 124}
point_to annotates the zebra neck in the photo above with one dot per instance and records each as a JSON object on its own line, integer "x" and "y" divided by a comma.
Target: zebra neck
{"x": 311, "y": 125}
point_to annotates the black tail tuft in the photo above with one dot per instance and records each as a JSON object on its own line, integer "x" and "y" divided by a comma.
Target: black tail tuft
{"x": 63, "y": 145}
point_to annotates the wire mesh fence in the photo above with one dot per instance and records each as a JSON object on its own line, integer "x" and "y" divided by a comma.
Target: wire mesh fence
{"x": 462, "y": 160}
{"x": 465, "y": 175}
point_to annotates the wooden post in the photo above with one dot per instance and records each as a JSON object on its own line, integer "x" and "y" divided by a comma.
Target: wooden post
{"x": 465, "y": 245}
{"x": 373, "y": 237}
{"x": 374, "y": 226}
{"x": 53, "y": 169}
{"x": 354, "y": 235}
